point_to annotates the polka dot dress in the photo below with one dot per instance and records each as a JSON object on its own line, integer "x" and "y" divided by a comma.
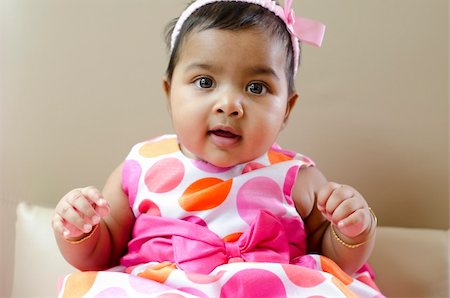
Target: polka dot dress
{"x": 204, "y": 231}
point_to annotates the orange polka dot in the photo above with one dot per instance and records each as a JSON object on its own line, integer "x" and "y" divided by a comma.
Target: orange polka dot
{"x": 158, "y": 148}
{"x": 276, "y": 157}
{"x": 205, "y": 194}
{"x": 303, "y": 277}
{"x": 251, "y": 166}
{"x": 343, "y": 288}
{"x": 159, "y": 272}
{"x": 232, "y": 237}
{"x": 79, "y": 283}
{"x": 331, "y": 267}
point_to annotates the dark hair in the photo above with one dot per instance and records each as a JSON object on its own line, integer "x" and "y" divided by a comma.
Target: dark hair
{"x": 231, "y": 15}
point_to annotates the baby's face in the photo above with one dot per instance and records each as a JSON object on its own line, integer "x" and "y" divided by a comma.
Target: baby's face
{"x": 228, "y": 96}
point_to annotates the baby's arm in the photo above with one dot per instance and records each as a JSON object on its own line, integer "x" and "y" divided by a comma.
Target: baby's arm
{"x": 322, "y": 204}
{"x": 92, "y": 228}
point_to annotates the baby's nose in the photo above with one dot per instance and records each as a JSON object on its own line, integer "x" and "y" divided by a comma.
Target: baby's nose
{"x": 231, "y": 105}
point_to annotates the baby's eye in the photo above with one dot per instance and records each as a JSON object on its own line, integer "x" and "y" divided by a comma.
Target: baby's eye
{"x": 204, "y": 82}
{"x": 256, "y": 88}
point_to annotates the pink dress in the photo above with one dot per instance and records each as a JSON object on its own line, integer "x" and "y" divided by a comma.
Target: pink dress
{"x": 204, "y": 231}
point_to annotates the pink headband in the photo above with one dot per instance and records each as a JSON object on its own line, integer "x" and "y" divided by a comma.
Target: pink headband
{"x": 305, "y": 30}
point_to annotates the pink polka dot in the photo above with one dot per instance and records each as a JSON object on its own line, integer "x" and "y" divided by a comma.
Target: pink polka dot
{"x": 146, "y": 286}
{"x": 207, "y": 167}
{"x": 192, "y": 291}
{"x": 199, "y": 278}
{"x": 303, "y": 277}
{"x": 253, "y": 283}
{"x": 131, "y": 172}
{"x": 196, "y": 220}
{"x": 251, "y": 166}
{"x": 164, "y": 175}
{"x": 259, "y": 193}
{"x": 289, "y": 182}
{"x": 149, "y": 207}
{"x": 112, "y": 292}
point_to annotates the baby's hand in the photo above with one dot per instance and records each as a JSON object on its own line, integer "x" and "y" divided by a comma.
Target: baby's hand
{"x": 79, "y": 211}
{"x": 344, "y": 207}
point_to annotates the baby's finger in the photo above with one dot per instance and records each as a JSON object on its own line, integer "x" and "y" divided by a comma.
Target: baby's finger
{"x": 92, "y": 193}
{"x": 99, "y": 204}
{"x": 83, "y": 206}
{"x": 102, "y": 208}
{"x": 64, "y": 228}
{"x": 345, "y": 208}
{"x": 324, "y": 194}
{"x": 71, "y": 231}
{"x": 72, "y": 216}
{"x": 57, "y": 224}
{"x": 354, "y": 224}
{"x": 337, "y": 197}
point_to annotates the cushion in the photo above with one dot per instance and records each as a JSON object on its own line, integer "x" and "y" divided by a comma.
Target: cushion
{"x": 412, "y": 262}
{"x": 38, "y": 262}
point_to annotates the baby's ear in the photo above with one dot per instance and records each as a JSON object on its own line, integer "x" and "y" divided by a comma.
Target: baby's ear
{"x": 166, "y": 86}
{"x": 166, "y": 89}
{"x": 292, "y": 100}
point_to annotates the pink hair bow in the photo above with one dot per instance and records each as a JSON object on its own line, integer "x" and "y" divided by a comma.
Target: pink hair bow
{"x": 306, "y": 30}
{"x": 195, "y": 248}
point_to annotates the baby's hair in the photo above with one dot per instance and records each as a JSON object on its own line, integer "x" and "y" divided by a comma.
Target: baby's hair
{"x": 232, "y": 16}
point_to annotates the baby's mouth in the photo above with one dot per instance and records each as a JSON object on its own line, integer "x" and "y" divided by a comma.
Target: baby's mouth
{"x": 223, "y": 138}
{"x": 224, "y": 133}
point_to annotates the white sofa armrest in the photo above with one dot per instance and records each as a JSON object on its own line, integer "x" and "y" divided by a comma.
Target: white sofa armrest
{"x": 38, "y": 264}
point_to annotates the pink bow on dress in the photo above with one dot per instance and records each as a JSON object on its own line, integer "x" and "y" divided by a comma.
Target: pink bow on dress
{"x": 195, "y": 248}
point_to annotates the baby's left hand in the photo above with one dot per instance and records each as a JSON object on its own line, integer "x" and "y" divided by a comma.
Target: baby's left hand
{"x": 344, "y": 207}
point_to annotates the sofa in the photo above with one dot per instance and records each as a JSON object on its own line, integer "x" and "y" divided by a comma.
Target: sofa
{"x": 409, "y": 262}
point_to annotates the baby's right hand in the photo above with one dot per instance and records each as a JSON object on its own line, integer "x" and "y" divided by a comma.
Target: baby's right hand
{"x": 79, "y": 211}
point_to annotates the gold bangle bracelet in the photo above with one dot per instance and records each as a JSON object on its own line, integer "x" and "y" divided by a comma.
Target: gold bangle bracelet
{"x": 84, "y": 238}
{"x": 336, "y": 236}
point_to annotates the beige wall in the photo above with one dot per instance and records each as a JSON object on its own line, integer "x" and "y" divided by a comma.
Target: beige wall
{"x": 80, "y": 82}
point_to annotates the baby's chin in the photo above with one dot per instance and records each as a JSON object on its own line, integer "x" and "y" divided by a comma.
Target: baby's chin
{"x": 218, "y": 158}
{"x": 216, "y": 162}
{"x": 224, "y": 165}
